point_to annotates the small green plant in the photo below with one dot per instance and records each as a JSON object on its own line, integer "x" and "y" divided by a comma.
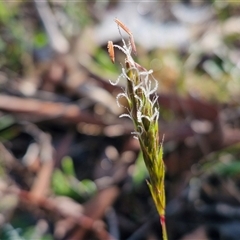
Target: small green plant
{"x": 143, "y": 110}
{"x": 65, "y": 182}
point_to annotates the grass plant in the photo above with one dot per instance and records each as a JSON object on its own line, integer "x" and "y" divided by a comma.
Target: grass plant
{"x": 143, "y": 110}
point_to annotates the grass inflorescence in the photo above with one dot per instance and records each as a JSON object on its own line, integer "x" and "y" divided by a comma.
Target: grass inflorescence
{"x": 143, "y": 110}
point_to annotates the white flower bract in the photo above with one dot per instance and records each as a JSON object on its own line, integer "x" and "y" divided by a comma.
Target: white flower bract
{"x": 143, "y": 80}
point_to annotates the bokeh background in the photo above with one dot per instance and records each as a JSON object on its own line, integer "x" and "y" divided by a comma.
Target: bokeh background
{"x": 70, "y": 167}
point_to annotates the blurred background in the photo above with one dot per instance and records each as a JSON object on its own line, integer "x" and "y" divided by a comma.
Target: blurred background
{"x": 70, "y": 167}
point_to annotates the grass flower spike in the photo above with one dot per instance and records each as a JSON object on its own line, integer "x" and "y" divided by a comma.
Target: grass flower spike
{"x": 143, "y": 110}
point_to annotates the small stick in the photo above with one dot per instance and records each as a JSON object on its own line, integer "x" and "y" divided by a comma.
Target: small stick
{"x": 131, "y": 39}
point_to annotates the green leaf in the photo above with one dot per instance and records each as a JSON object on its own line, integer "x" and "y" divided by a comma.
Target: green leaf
{"x": 5, "y": 13}
{"x": 231, "y": 169}
{"x": 67, "y": 166}
{"x": 60, "y": 184}
{"x": 40, "y": 39}
{"x": 87, "y": 187}
{"x": 6, "y": 121}
{"x": 9, "y": 133}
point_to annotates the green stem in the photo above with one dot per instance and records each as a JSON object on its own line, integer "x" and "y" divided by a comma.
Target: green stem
{"x": 164, "y": 229}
